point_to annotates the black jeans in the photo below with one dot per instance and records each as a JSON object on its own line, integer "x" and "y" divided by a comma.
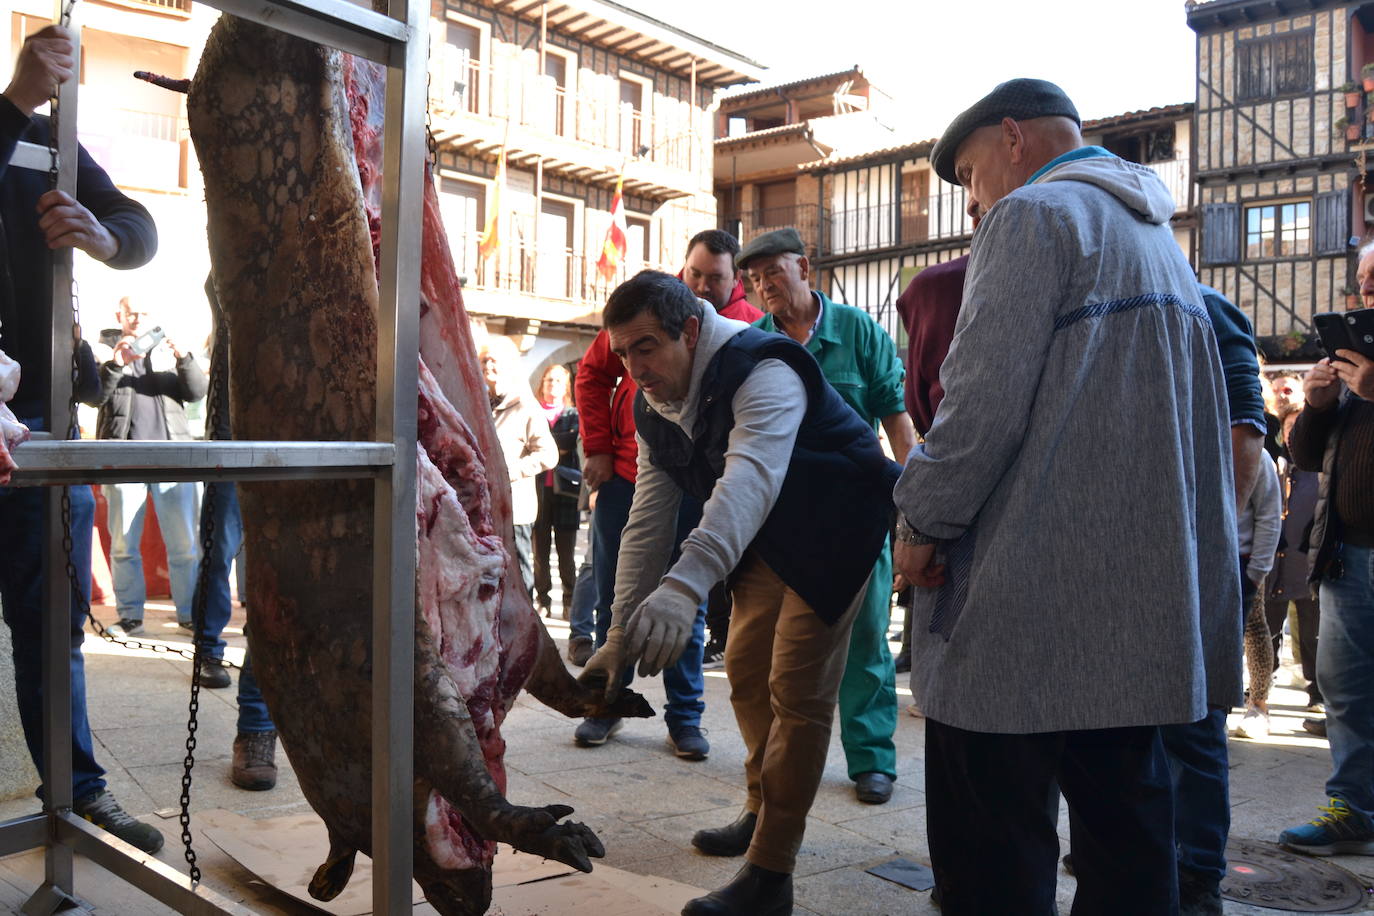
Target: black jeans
{"x": 992, "y": 807}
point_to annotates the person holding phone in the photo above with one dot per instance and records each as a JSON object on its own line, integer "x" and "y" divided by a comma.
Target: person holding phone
{"x": 144, "y": 388}
{"x": 1334, "y": 434}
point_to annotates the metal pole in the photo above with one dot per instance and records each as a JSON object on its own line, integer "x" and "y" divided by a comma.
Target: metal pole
{"x": 393, "y": 613}
{"x": 58, "y": 876}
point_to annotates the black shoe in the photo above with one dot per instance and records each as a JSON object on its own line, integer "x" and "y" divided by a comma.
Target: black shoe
{"x": 713, "y": 656}
{"x": 1198, "y": 894}
{"x": 730, "y": 840}
{"x": 902, "y": 662}
{"x": 125, "y": 627}
{"x": 1315, "y": 727}
{"x": 579, "y": 650}
{"x": 213, "y": 674}
{"x": 1067, "y": 862}
{"x": 102, "y": 810}
{"x": 873, "y": 788}
{"x": 753, "y": 891}
{"x": 594, "y": 731}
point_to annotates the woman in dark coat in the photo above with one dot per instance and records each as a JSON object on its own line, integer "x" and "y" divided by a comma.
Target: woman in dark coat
{"x": 559, "y": 518}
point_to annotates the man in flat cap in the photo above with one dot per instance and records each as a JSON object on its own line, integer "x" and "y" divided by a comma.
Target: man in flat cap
{"x": 857, "y": 357}
{"x": 1077, "y": 516}
{"x": 797, "y": 501}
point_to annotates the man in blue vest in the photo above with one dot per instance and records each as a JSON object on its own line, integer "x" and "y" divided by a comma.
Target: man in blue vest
{"x": 797, "y": 497}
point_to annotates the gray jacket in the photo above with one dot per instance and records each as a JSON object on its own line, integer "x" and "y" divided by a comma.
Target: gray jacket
{"x": 1081, "y": 456}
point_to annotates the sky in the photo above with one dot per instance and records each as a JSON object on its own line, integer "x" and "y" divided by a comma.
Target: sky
{"x": 936, "y": 57}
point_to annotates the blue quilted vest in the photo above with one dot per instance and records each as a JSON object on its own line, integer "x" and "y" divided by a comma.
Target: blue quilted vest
{"x": 834, "y": 512}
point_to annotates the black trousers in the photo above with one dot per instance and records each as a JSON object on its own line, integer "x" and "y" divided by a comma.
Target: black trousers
{"x": 1309, "y": 621}
{"x": 992, "y": 808}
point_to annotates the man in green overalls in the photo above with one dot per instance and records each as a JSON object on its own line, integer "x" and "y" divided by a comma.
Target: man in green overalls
{"x": 860, "y": 360}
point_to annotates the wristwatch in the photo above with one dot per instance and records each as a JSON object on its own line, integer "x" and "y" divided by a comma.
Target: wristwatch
{"x": 909, "y": 535}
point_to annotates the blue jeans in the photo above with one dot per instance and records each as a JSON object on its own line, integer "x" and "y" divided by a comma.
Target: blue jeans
{"x": 683, "y": 683}
{"x": 1200, "y": 768}
{"x": 221, "y": 500}
{"x": 583, "y": 611}
{"x": 175, "y": 504}
{"x": 1345, "y": 672}
{"x": 21, "y": 593}
{"x": 253, "y": 714}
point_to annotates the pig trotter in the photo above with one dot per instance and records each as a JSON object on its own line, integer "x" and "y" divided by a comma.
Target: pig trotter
{"x": 332, "y": 877}
{"x": 537, "y": 831}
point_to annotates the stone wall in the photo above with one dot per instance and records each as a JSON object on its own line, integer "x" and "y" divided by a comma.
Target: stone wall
{"x": 17, "y": 775}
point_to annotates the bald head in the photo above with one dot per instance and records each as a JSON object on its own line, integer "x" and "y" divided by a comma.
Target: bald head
{"x": 995, "y": 160}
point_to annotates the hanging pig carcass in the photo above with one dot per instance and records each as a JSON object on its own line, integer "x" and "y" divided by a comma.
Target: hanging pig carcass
{"x": 288, "y": 137}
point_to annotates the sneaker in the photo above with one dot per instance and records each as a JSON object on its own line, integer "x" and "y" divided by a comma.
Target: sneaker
{"x": 213, "y": 674}
{"x": 594, "y": 731}
{"x": 1253, "y": 725}
{"x": 102, "y": 810}
{"x": 579, "y": 650}
{"x": 255, "y": 765}
{"x": 125, "y": 627}
{"x": 1339, "y": 830}
{"x": 688, "y": 742}
{"x": 1315, "y": 727}
{"x": 713, "y": 656}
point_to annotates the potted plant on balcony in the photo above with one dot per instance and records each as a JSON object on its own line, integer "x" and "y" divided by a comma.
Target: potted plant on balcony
{"x": 1352, "y": 95}
{"x": 1367, "y": 75}
{"x": 1350, "y": 128}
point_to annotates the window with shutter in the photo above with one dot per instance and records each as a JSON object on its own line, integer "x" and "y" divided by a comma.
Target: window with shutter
{"x": 1332, "y": 227}
{"x": 1220, "y": 234}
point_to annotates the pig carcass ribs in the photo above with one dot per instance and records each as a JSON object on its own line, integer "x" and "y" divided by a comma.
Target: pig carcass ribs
{"x": 288, "y": 141}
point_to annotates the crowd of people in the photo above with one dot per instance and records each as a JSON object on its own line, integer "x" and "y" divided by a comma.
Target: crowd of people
{"x": 781, "y": 472}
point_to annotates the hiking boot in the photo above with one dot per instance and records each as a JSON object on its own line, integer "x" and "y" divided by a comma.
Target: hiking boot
{"x": 102, "y": 810}
{"x": 255, "y": 767}
{"x": 754, "y": 891}
{"x": 580, "y": 649}
{"x": 1315, "y": 727}
{"x": 213, "y": 674}
{"x": 1198, "y": 894}
{"x": 730, "y": 840}
{"x": 595, "y": 731}
{"x": 688, "y": 742}
{"x": 1339, "y": 830}
{"x": 126, "y": 626}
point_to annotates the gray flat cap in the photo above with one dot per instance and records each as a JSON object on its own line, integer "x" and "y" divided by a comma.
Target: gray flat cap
{"x": 779, "y": 241}
{"x": 1018, "y": 99}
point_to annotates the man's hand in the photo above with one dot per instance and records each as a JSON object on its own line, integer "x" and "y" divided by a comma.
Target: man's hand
{"x": 1319, "y": 386}
{"x": 124, "y": 354}
{"x": 68, "y": 224}
{"x": 172, "y": 345}
{"x": 603, "y": 670}
{"x": 46, "y": 60}
{"x": 1358, "y": 373}
{"x": 917, "y": 563}
{"x": 659, "y": 629}
{"x": 596, "y": 470}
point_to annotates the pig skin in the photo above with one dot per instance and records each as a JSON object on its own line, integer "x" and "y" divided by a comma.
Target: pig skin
{"x": 286, "y": 136}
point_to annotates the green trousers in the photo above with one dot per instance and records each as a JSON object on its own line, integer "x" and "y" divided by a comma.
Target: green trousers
{"x": 868, "y": 692}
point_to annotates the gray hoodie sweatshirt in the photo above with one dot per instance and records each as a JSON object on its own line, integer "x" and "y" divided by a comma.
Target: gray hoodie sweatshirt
{"x": 1079, "y": 466}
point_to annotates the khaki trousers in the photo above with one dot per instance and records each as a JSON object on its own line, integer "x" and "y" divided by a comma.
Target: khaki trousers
{"x": 784, "y": 666}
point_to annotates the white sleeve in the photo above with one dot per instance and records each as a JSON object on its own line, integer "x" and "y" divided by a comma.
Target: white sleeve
{"x": 1267, "y": 504}
{"x": 647, "y": 540}
{"x": 768, "y": 411}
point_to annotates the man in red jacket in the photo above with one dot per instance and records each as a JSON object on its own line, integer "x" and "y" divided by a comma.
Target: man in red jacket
{"x": 605, "y": 403}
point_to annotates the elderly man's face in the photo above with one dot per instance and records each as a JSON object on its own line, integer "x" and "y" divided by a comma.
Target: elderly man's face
{"x": 131, "y": 318}
{"x": 1364, "y": 275}
{"x": 782, "y": 280}
{"x": 985, "y": 166}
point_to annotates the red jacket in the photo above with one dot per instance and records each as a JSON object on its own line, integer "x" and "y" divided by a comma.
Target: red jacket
{"x": 606, "y": 396}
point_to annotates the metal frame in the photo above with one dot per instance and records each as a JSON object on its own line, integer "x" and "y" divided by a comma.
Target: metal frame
{"x": 399, "y": 41}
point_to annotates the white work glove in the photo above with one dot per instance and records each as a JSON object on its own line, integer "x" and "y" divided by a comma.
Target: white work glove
{"x": 660, "y": 628}
{"x": 605, "y": 669}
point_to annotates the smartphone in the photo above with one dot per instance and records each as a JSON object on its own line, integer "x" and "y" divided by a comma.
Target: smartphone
{"x": 147, "y": 340}
{"x": 1353, "y": 330}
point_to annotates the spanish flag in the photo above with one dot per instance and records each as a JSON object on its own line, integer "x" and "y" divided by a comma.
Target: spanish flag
{"x": 491, "y": 234}
{"x": 613, "y": 249}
